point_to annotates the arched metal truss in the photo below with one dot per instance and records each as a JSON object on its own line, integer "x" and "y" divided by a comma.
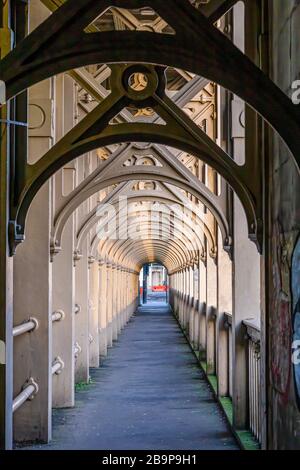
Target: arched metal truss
{"x": 191, "y": 242}
{"x": 136, "y": 253}
{"x": 94, "y": 218}
{"x": 60, "y": 44}
{"x": 113, "y": 171}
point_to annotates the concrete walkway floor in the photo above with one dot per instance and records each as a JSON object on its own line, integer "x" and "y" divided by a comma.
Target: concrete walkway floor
{"x": 149, "y": 394}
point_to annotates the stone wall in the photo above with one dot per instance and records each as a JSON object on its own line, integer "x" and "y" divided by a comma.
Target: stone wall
{"x": 284, "y": 272}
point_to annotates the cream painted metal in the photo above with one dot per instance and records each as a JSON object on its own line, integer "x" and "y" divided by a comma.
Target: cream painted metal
{"x": 32, "y": 274}
{"x": 94, "y": 358}
{"x": 109, "y": 306}
{"x": 63, "y": 271}
{"x": 82, "y": 317}
{"x": 102, "y": 310}
{"x": 27, "y": 327}
{"x": 224, "y": 292}
{"x": 29, "y": 391}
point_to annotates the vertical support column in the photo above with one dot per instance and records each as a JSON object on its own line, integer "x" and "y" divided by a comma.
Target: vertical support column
{"x": 181, "y": 303}
{"x": 109, "y": 305}
{"x": 246, "y": 277}
{"x": 126, "y": 294}
{"x": 32, "y": 273}
{"x": 63, "y": 273}
{"x": 93, "y": 312}
{"x": 246, "y": 306}
{"x": 186, "y": 295}
{"x": 191, "y": 319}
{"x": 6, "y": 263}
{"x": 102, "y": 308}
{"x": 82, "y": 315}
{"x": 202, "y": 307}
{"x": 114, "y": 297}
{"x": 211, "y": 287}
{"x": 119, "y": 298}
{"x": 32, "y": 297}
{"x": 64, "y": 330}
{"x": 224, "y": 305}
{"x": 196, "y": 307}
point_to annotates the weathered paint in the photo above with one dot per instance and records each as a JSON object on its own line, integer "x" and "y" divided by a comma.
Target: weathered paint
{"x": 284, "y": 414}
{"x": 296, "y": 318}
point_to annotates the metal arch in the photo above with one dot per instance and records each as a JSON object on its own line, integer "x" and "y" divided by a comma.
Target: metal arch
{"x": 162, "y": 246}
{"x": 162, "y": 255}
{"x": 130, "y": 177}
{"x": 112, "y": 171}
{"x": 145, "y": 229}
{"x": 100, "y": 244}
{"x": 157, "y": 246}
{"x": 159, "y": 232}
{"x": 93, "y": 218}
{"x": 115, "y": 166}
{"x": 54, "y": 47}
{"x": 140, "y": 196}
{"x": 216, "y": 41}
{"x": 159, "y": 258}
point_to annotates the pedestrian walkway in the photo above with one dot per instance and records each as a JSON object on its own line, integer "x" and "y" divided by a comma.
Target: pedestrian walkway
{"x": 149, "y": 394}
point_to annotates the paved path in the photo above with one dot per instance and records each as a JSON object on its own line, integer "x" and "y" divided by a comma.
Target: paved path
{"x": 149, "y": 394}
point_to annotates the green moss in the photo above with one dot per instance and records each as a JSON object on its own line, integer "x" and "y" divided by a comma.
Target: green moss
{"x": 213, "y": 382}
{"x": 226, "y": 404}
{"x": 80, "y": 386}
{"x": 247, "y": 440}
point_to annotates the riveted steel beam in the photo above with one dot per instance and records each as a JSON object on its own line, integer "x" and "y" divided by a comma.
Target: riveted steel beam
{"x": 169, "y": 196}
{"x": 113, "y": 171}
{"x": 57, "y": 45}
{"x": 179, "y": 131}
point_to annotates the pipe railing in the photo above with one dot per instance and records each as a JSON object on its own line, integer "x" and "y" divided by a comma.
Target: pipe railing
{"x": 57, "y": 366}
{"x": 29, "y": 391}
{"x": 58, "y": 316}
{"x": 253, "y": 368}
{"x": 27, "y": 327}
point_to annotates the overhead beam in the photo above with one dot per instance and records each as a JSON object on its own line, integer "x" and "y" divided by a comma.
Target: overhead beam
{"x": 215, "y": 9}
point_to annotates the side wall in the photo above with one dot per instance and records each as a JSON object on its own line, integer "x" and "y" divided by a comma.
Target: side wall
{"x": 284, "y": 414}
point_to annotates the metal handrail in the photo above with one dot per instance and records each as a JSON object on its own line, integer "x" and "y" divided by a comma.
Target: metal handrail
{"x": 58, "y": 315}
{"x": 30, "y": 389}
{"x": 27, "y": 327}
{"x": 57, "y": 366}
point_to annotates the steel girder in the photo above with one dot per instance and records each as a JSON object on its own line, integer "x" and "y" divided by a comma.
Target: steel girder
{"x": 114, "y": 171}
{"x": 60, "y": 43}
{"x": 98, "y": 179}
{"x": 178, "y": 255}
{"x": 166, "y": 197}
{"x": 160, "y": 250}
{"x": 160, "y": 229}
